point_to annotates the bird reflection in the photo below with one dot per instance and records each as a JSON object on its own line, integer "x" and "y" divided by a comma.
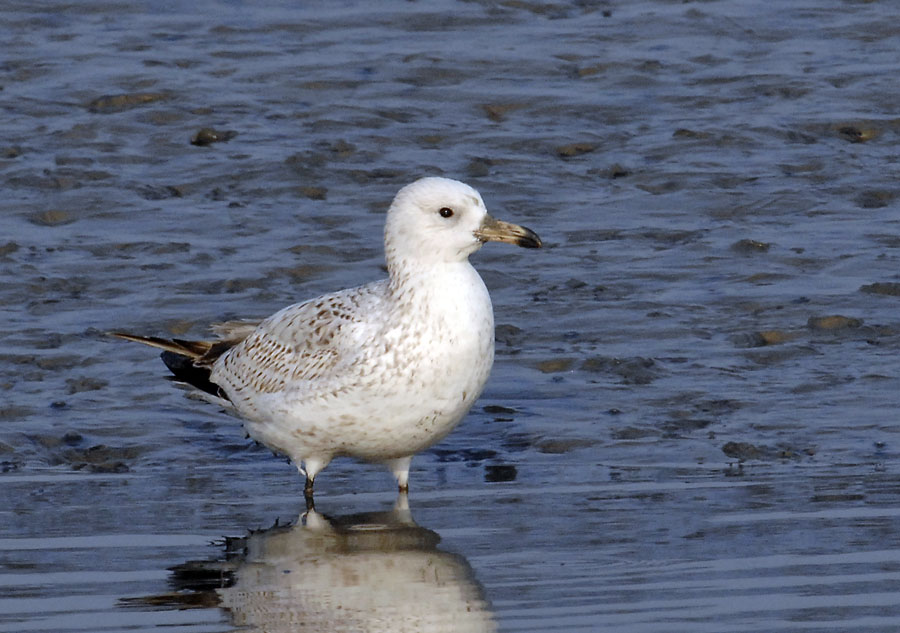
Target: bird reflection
{"x": 375, "y": 571}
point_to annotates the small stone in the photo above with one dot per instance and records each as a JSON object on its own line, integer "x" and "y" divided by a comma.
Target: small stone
{"x": 432, "y": 140}
{"x": 500, "y": 472}
{"x": 108, "y": 104}
{"x": 8, "y": 249}
{"x": 632, "y": 433}
{"x": 14, "y": 413}
{"x": 632, "y": 371}
{"x": 744, "y": 450}
{"x": 560, "y": 446}
{"x": 890, "y": 288}
{"x": 158, "y": 192}
{"x": 833, "y": 322}
{"x": 685, "y": 425}
{"x": 508, "y": 334}
{"x": 479, "y": 167}
{"x": 109, "y": 467}
{"x": 875, "y": 199}
{"x": 77, "y": 385}
{"x": 617, "y": 171}
{"x": 51, "y": 217}
{"x": 495, "y": 409}
{"x": 590, "y": 71}
{"x": 208, "y": 136}
{"x": 556, "y": 365}
{"x": 314, "y": 193}
{"x": 692, "y": 134}
{"x": 856, "y": 134}
{"x": 750, "y": 246}
{"x": 775, "y": 337}
{"x": 497, "y": 111}
{"x": 575, "y": 149}
{"x": 342, "y": 149}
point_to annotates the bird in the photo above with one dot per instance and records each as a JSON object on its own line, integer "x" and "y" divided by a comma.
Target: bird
{"x": 379, "y": 372}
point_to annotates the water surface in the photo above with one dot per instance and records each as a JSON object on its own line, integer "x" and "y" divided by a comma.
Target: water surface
{"x": 677, "y": 436}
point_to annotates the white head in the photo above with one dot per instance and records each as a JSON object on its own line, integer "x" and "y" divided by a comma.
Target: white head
{"x": 438, "y": 220}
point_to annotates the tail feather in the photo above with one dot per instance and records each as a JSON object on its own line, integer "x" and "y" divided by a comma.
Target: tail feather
{"x": 184, "y": 370}
{"x": 189, "y": 361}
{"x": 194, "y": 350}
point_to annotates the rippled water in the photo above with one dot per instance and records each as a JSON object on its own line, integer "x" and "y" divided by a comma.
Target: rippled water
{"x": 676, "y": 436}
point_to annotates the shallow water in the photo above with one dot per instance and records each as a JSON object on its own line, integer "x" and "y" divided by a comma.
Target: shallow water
{"x": 673, "y": 438}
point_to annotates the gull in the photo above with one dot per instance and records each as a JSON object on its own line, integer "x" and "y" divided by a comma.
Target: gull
{"x": 379, "y": 372}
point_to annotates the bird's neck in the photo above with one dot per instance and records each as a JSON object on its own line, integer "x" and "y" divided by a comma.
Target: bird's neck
{"x": 411, "y": 279}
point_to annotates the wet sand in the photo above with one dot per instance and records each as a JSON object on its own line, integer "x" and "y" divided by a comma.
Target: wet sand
{"x": 690, "y": 425}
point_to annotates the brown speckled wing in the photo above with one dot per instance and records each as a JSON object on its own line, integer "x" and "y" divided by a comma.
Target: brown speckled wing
{"x": 312, "y": 342}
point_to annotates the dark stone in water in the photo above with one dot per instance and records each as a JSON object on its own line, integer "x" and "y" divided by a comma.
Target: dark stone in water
{"x": 632, "y": 433}
{"x": 875, "y": 199}
{"x": 763, "y": 339}
{"x": 560, "y": 446}
{"x": 208, "y": 136}
{"x": 575, "y": 149}
{"x": 77, "y": 385}
{"x": 99, "y": 458}
{"x": 471, "y": 456}
{"x": 509, "y": 335}
{"x": 497, "y": 409}
{"x": 555, "y": 365}
{"x": 314, "y": 193}
{"x": 8, "y": 249}
{"x": 833, "y": 322}
{"x": 744, "y": 450}
{"x": 500, "y": 472}
{"x": 108, "y": 104}
{"x": 51, "y": 217}
{"x": 617, "y": 171}
{"x": 685, "y": 425}
{"x": 856, "y": 134}
{"x": 748, "y": 246}
{"x": 882, "y": 288}
{"x": 633, "y": 371}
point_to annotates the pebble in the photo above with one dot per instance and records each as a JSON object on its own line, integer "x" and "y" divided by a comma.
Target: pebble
{"x": 208, "y": 136}
{"x": 890, "y": 288}
{"x": 833, "y": 322}
{"x": 497, "y": 111}
{"x": 51, "y": 217}
{"x": 575, "y": 149}
{"x": 748, "y": 246}
{"x": 555, "y": 365}
{"x": 856, "y": 134}
{"x": 116, "y": 103}
{"x": 77, "y": 385}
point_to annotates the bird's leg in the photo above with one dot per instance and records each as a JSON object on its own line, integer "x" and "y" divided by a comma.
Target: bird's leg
{"x": 400, "y": 468}
{"x": 309, "y": 467}
{"x": 308, "y": 494}
{"x": 402, "y": 502}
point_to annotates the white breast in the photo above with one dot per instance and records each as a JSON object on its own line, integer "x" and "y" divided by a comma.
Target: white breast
{"x": 411, "y": 364}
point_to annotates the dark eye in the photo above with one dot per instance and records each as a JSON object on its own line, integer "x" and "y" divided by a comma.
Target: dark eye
{"x": 446, "y": 212}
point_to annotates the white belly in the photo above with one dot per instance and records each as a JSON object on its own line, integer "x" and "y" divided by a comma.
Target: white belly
{"x": 414, "y": 380}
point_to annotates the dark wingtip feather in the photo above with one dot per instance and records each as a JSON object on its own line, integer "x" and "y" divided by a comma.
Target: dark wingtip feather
{"x": 185, "y": 370}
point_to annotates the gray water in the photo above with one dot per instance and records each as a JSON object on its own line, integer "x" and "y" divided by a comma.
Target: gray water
{"x": 675, "y": 437}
